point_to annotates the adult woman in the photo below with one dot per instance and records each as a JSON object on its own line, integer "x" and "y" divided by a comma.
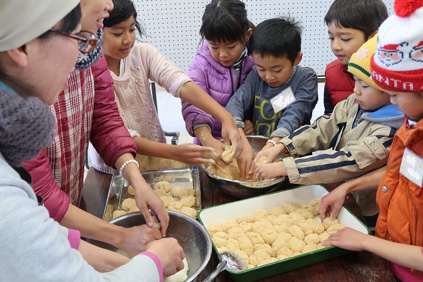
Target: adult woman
{"x": 86, "y": 111}
{"x": 37, "y": 52}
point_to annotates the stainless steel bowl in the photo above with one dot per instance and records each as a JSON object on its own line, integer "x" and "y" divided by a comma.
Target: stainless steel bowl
{"x": 191, "y": 235}
{"x": 246, "y": 189}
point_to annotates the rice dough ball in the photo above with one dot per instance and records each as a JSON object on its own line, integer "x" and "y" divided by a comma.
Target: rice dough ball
{"x": 163, "y": 185}
{"x": 227, "y": 155}
{"x": 296, "y": 217}
{"x": 246, "y": 218}
{"x": 245, "y": 226}
{"x": 243, "y": 255}
{"x": 213, "y": 228}
{"x": 312, "y": 239}
{"x": 235, "y": 232}
{"x": 335, "y": 227}
{"x": 285, "y": 251}
{"x": 189, "y": 211}
{"x": 219, "y": 239}
{"x": 255, "y": 238}
{"x": 188, "y": 201}
{"x": 267, "y": 261}
{"x": 261, "y": 255}
{"x": 260, "y": 214}
{"x": 277, "y": 211}
{"x": 296, "y": 245}
{"x": 296, "y": 231}
{"x": 306, "y": 227}
{"x": 305, "y": 213}
{"x": 160, "y": 192}
{"x": 232, "y": 244}
{"x": 245, "y": 245}
{"x": 181, "y": 192}
{"x": 290, "y": 207}
{"x": 309, "y": 248}
{"x": 175, "y": 206}
{"x": 279, "y": 243}
{"x": 131, "y": 190}
{"x": 265, "y": 247}
{"x": 324, "y": 236}
{"x": 228, "y": 224}
{"x": 167, "y": 200}
{"x": 118, "y": 213}
{"x": 269, "y": 235}
{"x": 127, "y": 204}
{"x": 327, "y": 222}
{"x": 285, "y": 218}
{"x": 316, "y": 226}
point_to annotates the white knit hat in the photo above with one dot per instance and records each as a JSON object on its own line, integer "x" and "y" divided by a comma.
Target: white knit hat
{"x": 397, "y": 64}
{"x": 24, "y": 20}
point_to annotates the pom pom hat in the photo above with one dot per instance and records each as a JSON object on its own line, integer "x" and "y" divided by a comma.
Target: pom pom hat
{"x": 24, "y": 20}
{"x": 359, "y": 64}
{"x": 397, "y": 64}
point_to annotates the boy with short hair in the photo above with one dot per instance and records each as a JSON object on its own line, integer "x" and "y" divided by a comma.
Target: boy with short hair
{"x": 350, "y": 24}
{"x": 284, "y": 94}
{"x": 358, "y": 133}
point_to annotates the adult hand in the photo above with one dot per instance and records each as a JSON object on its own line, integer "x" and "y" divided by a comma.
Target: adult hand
{"x": 192, "y": 154}
{"x": 272, "y": 170}
{"x": 332, "y": 203}
{"x": 170, "y": 254}
{"x": 249, "y": 127}
{"x": 135, "y": 239}
{"x": 347, "y": 238}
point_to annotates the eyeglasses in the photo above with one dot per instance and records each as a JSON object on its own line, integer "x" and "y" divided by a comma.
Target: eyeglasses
{"x": 87, "y": 41}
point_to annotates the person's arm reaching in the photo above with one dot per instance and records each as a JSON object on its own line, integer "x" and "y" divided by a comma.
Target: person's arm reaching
{"x": 332, "y": 203}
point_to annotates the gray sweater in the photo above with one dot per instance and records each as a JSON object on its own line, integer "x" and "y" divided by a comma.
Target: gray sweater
{"x": 257, "y": 92}
{"x": 34, "y": 247}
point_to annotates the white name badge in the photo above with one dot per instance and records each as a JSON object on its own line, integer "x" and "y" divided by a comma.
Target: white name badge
{"x": 412, "y": 167}
{"x": 282, "y": 100}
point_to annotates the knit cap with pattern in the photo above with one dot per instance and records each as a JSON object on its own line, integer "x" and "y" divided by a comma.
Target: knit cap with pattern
{"x": 397, "y": 64}
{"x": 359, "y": 64}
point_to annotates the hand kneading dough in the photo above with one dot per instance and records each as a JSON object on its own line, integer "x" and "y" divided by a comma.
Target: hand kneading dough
{"x": 227, "y": 154}
{"x": 179, "y": 276}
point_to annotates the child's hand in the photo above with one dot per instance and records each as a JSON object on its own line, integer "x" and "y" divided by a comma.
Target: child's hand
{"x": 192, "y": 154}
{"x": 249, "y": 127}
{"x": 271, "y": 152}
{"x": 230, "y": 136}
{"x": 270, "y": 170}
{"x": 245, "y": 161}
{"x": 332, "y": 203}
{"x": 347, "y": 238}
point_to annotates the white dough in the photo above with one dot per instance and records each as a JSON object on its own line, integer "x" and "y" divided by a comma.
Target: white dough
{"x": 179, "y": 276}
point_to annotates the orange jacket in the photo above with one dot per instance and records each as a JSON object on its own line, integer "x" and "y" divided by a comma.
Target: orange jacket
{"x": 400, "y": 201}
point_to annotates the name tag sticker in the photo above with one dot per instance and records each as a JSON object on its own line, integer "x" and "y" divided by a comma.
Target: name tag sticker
{"x": 282, "y": 100}
{"x": 412, "y": 167}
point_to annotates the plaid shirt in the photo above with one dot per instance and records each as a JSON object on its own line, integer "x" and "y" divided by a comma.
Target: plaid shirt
{"x": 84, "y": 111}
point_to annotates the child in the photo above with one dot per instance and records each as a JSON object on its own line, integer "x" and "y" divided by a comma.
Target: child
{"x": 220, "y": 66}
{"x": 397, "y": 66}
{"x": 131, "y": 66}
{"x": 359, "y": 131}
{"x": 276, "y": 79}
{"x": 350, "y": 24}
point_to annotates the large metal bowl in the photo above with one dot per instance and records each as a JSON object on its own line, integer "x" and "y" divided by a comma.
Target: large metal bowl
{"x": 246, "y": 189}
{"x": 191, "y": 235}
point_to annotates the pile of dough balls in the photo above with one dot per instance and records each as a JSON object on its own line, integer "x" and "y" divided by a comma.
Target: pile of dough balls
{"x": 269, "y": 236}
{"x": 179, "y": 198}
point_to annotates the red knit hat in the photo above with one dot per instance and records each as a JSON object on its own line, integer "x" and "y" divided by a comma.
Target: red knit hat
{"x": 397, "y": 64}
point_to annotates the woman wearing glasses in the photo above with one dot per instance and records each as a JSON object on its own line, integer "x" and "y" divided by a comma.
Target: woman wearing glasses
{"x": 34, "y": 64}
{"x": 86, "y": 111}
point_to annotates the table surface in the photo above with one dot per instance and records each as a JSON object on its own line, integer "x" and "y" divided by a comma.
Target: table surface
{"x": 355, "y": 266}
